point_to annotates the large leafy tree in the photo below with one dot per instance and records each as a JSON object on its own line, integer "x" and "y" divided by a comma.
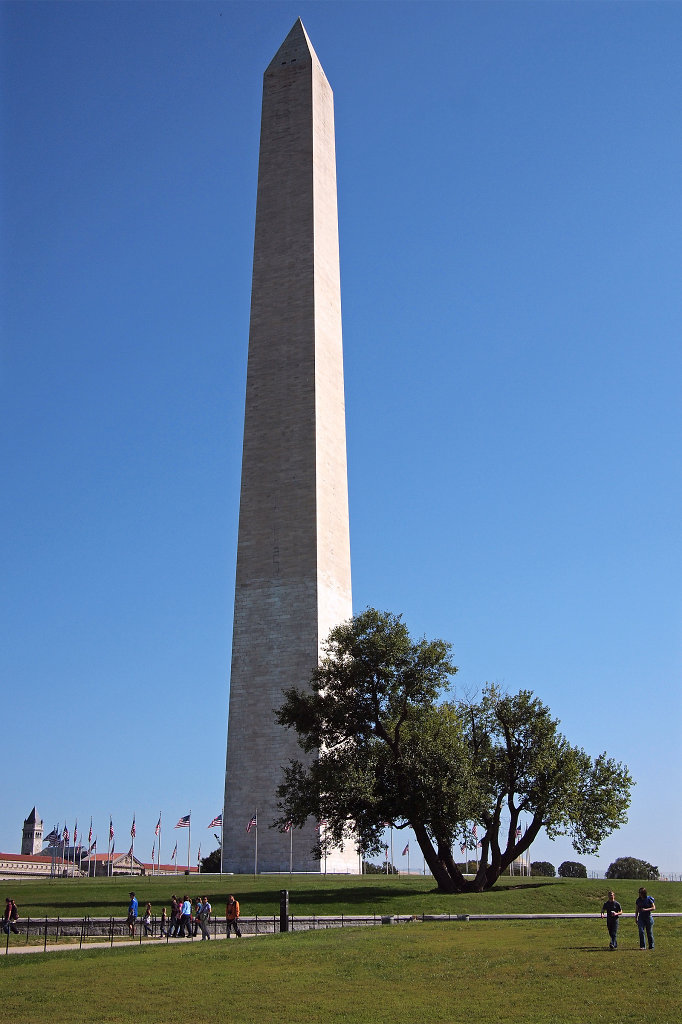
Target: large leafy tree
{"x": 383, "y": 745}
{"x": 632, "y": 867}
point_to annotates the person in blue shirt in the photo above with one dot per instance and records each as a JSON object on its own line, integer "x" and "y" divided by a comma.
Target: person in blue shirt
{"x": 132, "y": 914}
{"x": 644, "y": 905}
{"x": 186, "y": 919}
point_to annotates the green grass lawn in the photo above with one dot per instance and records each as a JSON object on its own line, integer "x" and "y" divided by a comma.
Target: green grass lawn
{"x": 332, "y": 894}
{"x": 539, "y": 972}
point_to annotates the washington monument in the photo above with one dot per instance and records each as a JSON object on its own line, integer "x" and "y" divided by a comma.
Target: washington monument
{"x": 293, "y": 579}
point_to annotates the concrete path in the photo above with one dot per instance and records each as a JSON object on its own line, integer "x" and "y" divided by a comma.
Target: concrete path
{"x": 70, "y": 947}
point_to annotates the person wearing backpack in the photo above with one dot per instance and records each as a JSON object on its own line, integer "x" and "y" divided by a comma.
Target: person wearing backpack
{"x": 10, "y": 917}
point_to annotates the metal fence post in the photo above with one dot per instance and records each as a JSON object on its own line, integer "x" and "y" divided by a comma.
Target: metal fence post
{"x": 45, "y": 943}
{"x": 56, "y": 930}
{"x": 28, "y": 925}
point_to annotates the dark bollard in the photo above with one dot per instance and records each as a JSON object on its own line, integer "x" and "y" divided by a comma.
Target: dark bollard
{"x": 283, "y": 910}
{"x": 45, "y": 943}
{"x": 56, "y": 931}
{"x": 28, "y": 925}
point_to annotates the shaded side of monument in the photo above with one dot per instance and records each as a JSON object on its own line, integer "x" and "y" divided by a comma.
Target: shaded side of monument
{"x": 293, "y": 581}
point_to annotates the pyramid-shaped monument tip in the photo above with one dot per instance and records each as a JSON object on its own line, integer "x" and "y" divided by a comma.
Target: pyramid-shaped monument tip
{"x": 296, "y": 48}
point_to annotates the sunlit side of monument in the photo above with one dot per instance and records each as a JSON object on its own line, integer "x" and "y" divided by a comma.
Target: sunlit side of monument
{"x": 293, "y": 581}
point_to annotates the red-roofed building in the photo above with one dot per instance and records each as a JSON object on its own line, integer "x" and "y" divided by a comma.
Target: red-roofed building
{"x": 34, "y": 865}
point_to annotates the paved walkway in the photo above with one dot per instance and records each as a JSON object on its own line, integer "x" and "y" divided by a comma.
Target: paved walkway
{"x": 60, "y": 947}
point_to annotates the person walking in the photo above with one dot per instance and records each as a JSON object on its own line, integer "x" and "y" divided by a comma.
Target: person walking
{"x": 174, "y": 917}
{"x": 132, "y": 914}
{"x": 10, "y": 917}
{"x": 164, "y": 929}
{"x": 147, "y": 919}
{"x": 198, "y": 911}
{"x": 205, "y": 919}
{"x": 232, "y": 917}
{"x": 185, "y": 928}
{"x": 613, "y": 910}
{"x": 644, "y": 905}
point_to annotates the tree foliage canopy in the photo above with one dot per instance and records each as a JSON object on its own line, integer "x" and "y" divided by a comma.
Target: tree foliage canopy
{"x": 632, "y": 867}
{"x": 572, "y": 869}
{"x": 543, "y": 868}
{"x": 383, "y": 745}
{"x": 211, "y": 863}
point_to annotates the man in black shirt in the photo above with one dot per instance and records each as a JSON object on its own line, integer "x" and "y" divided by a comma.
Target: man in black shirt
{"x": 613, "y": 910}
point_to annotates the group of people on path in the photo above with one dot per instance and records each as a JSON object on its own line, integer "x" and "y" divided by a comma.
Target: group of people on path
{"x": 186, "y": 918}
{"x": 644, "y": 906}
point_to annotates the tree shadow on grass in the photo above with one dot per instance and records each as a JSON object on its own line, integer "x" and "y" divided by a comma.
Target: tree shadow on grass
{"x": 514, "y": 888}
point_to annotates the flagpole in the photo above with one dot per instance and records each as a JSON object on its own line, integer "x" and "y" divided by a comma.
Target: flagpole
{"x": 391, "y": 845}
{"x": 222, "y": 826}
{"x": 255, "y": 863}
{"x": 158, "y": 855}
{"x": 291, "y": 848}
{"x": 189, "y": 837}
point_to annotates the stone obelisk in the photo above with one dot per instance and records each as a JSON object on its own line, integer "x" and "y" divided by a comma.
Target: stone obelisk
{"x": 293, "y": 579}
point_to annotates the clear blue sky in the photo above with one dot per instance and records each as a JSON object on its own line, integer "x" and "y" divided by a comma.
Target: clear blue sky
{"x": 510, "y": 224}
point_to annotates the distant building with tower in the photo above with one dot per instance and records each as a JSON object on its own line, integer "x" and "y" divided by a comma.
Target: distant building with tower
{"x": 32, "y": 835}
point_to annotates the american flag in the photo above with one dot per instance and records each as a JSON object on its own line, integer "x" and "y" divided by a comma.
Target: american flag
{"x": 218, "y": 820}
{"x": 321, "y": 824}
{"x": 175, "y": 852}
{"x": 132, "y": 828}
{"x": 75, "y": 832}
{"x": 90, "y": 833}
{"x": 405, "y": 851}
{"x": 253, "y": 823}
{"x": 52, "y": 838}
{"x": 158, "y": 827}
{"x": 92, "y": 846}
{"x": 475, "y": 831}
{"x": 153, "y": 851}
{"x": 385, "y": 853}
{"x": 130, "y": 852}
{"x": 287, "y": 827}
{"x": 65, "y": 835}
{"x": 184, "y": 821}
{"x": 463, "y": 848}
{"x": 518, "y": 831}
{"x": 111, "y": 830}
